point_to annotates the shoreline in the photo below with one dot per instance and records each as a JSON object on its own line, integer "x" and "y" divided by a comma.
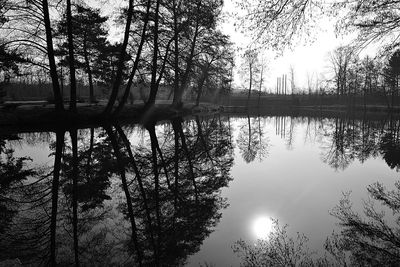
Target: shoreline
{"x": 45, "y": 118}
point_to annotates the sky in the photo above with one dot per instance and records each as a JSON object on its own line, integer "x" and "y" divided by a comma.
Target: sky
{"x": 307, "y": 60}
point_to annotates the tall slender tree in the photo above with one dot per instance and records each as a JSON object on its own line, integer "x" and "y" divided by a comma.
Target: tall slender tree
{"x": 142, "y": 38}
{"x": 50, "y": 53}
{"x": 118, "y": 79}
{"x": 71, "y": 57}
{"x": 90, "y": 42}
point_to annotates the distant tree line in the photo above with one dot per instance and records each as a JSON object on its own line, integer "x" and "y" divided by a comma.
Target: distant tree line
{"x": 355, "y": 76}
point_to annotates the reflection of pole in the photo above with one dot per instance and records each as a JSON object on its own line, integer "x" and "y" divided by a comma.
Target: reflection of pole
{"x": 284, "y": 127}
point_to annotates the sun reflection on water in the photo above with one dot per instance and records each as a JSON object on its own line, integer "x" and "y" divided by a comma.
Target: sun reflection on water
{"x": 262, "y": 227}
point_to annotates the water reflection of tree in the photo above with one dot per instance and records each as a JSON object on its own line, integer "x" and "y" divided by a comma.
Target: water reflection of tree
{"x": 340, "y": 155}
{"x": 351, "y": 139}
{"x": 183, "y": 196}
{"x": 107, "y": 202}
{"x": 368, "y": 239}
{"x": 372, "y": 239}
{"x": 390, "y": 144}
{"x": 13, "y": 172}
{"x": 251, "y": 140}
{"x": 29, "y": 235}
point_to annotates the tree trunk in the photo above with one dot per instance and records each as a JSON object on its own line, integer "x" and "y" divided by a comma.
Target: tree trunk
{"x": 50, "y": 53}
{"x": 136, "y": 63}
{"x": 88, "y": 71}
{"x": 176, "y": 51}
{"x": 201, "y": 84}
{"x": 259, "y": 91}
{"x": 153, "y": 86}
{"x": 118, "y": 78}
{"x": 251, "y": 81}
{"x": 90, "y": 151}
{"x": 72, "y": 103}
{"x": 177, "y": 101}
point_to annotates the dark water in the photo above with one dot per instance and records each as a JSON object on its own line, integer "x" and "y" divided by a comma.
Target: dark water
{"x": 182, "y": 192}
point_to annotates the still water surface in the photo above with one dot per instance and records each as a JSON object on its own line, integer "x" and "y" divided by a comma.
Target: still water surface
{"x": 182, "y": 192}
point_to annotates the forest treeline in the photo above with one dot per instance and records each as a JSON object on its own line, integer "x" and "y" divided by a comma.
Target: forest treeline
{"x": 178, "y": 45}
{"x": 174, "y": 43}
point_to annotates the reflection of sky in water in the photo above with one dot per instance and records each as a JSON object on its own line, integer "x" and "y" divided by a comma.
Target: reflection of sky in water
{"x": 290, "y": 183}
{"x": 294, "y": 186}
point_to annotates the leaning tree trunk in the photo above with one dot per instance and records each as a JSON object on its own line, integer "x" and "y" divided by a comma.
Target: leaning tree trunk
{"x": 118, "y": 78}
{"x": 136, "y": 63}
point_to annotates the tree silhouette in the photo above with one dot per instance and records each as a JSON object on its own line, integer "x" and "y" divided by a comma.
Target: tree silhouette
{"x": 392, "y": 72}
{"x": 89, "y": 38}
{"x": 374, "y": 21}
{"x": 278, "y": 24}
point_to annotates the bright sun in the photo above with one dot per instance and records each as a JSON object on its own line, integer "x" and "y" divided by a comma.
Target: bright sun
{"x": 262, "y": 226}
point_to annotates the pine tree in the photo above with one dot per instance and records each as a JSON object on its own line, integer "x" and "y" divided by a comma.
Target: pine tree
{"x": 90, "y": 41}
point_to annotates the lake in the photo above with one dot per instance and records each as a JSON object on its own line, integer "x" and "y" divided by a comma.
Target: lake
{"x": 182, "y": 192}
